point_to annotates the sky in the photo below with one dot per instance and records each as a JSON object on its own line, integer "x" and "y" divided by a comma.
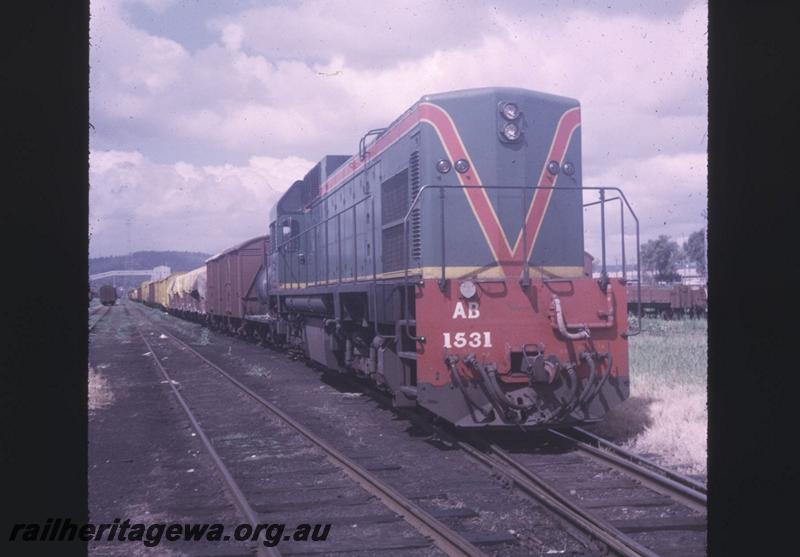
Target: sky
{"x": 202, "y": 113}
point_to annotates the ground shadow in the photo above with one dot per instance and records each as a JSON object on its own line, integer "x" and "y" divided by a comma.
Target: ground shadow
{"x": 626, "y": 421}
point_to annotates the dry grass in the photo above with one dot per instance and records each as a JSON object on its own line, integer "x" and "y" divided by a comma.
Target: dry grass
{"x": 100, "y": 394}
{"x": 666, "y": 415}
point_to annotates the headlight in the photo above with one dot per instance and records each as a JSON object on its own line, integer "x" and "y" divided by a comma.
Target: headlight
{"x": 467, "y": 289}
{"x": 552, "y": 167}
{"x": 510, "y": 111}
{"x": 511, "y": 131}
{"x": 443, "y": 166}
{"x": 568, "y": 168}
{"x": 462, "y": 166}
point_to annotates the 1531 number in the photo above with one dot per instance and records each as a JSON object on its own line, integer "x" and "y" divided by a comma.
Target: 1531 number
{"x": 473, "y": 340}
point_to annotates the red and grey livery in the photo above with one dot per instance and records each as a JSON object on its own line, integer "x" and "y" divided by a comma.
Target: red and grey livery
{"x": 445, "y": 262}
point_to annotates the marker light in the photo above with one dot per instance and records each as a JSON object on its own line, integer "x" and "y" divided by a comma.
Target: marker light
{"x": 467, "y": 289}
{"x": 511, "y": 131}
{"x": 462, "y": 166}
{"x": 568, "y": 168}
{"x": 443, "y": 166}
{"x": 552, "y": 167}
{"x": 510, "y": 111}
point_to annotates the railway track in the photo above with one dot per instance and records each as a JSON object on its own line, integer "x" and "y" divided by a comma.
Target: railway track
{"x": 234, "y": 490}
{"x": 688, "y": 491}
{"x": 625, "y": 516}
{"x": 428, "y": 527}
{"x": 644, "y": 509}
{"x": 596, "y": 533}
{"x": 102, "y": 311}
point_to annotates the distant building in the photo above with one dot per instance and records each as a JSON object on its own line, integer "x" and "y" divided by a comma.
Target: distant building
{"x": 160, "y": 272}
{"x": 592, "y": 267}
{"x": 690, "y": 276}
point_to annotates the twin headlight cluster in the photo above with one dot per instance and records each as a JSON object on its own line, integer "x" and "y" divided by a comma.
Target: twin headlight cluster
{"x": 509, "y": 131}
{"x": 443, "y": 166}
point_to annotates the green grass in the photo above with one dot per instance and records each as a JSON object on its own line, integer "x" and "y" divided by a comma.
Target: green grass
{"x": 666, "y": 415}
{"x": 670, "y": 352}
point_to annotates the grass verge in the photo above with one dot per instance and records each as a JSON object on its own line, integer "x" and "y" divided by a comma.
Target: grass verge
{"x": 666, "y": 416}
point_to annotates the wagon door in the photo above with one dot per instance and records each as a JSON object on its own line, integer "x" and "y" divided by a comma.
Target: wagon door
{"x": 227, "y": 295}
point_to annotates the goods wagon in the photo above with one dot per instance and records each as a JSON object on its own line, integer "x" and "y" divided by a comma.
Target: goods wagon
{"x": 162, "y": 288}
{"x": 670, "y": 300}
{"x": 108, "y": 295}
{"x": 187, "y": 295}
{"x": 231, "y": 291}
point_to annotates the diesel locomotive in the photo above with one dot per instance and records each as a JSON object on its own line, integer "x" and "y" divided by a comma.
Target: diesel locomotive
{"x": 445, "y": 263}
{"x": 445, "y": 260}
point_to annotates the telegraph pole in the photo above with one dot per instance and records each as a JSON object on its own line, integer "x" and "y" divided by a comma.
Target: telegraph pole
{"x": 128, "y": 235}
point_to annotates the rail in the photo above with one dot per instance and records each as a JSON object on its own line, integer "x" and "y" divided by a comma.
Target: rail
{"x": 448, "y": 540}
{"x": 103, "y": 311}
{"x": 691, "y": 493}
{"x": 595, "y": 533}
{"x": 238, "y": 497}
{"x": 543, "y": 491}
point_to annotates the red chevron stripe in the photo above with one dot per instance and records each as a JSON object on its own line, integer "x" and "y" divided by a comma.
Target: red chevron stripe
{"x": 478, "y": 199}
{"x": 567, "y": 125}
{"x": 352, "y": 166}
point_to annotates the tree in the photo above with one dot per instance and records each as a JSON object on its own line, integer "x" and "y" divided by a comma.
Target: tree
{"x": 661, "y": 257}
{"x": 695, "y": 250}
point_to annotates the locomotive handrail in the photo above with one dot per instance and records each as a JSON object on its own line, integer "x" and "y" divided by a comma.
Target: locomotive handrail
{"x": 362, "y": 144}
{"x": 622, "y": 226}
{"x": 526, "y": 263}
{"x": 337, "y": 216}
{"x": 638, "y": 280}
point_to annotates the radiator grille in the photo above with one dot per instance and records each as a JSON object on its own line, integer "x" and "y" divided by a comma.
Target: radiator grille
{"x": 394, "y": 198}
{"x": 415, "y": 233}
{"x": 393, "y": 258}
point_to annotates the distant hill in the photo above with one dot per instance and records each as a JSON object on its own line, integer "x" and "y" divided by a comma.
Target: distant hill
{"x": 175, "y": 260}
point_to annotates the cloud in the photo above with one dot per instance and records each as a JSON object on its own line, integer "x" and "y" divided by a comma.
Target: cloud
{"x": 246, "y": 98}
{"x": 181, "y": 205}
{"x": 366, "y": 34}
{"x": 308, "y": 79}
{"x": 666, "y": 192}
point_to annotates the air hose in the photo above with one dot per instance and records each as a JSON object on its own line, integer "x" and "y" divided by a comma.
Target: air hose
{"x": 451, "y": 362}
{"x": 609, "y": 360}
{"x": 587, "y": 357}
{"x": 509, "y": 409}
